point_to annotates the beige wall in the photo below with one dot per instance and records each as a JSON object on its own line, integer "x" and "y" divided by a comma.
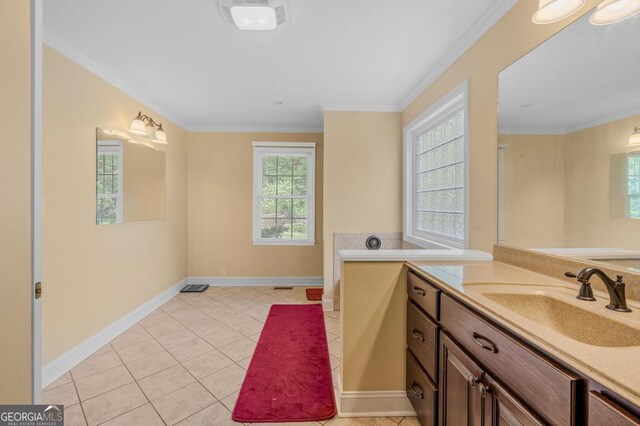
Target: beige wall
{"x": 220, "y": 210}
{"x": 144, "y": 183}
{"x": 94, "y": 275}
{"x": 15, "y": 202}
{"x": 588, "y": 220}
{"x": 534, "y": 192}
{"x": 512, "y": 37}
{"x": 362, "y": 179}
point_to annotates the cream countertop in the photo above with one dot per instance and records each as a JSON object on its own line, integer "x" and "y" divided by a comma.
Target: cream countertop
{"x": 617, "y": 368}
{"x": 444, "y": 255}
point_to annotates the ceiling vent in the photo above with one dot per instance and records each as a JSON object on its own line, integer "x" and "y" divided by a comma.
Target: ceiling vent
{"x": 255, "y": 15}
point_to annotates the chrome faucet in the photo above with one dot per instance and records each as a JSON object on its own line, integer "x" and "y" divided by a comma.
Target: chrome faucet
{"x": 617, "y": 299}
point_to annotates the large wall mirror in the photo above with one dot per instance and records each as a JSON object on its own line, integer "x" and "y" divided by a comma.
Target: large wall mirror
{"x": 569, "y": 173}
{"x": 130, "y": 179}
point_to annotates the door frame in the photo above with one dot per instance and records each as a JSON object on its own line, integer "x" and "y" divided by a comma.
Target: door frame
{"x": 36, "y": 195}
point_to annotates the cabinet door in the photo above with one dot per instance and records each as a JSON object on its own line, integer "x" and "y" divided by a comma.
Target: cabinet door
{"x": 460, "y": 401}
{"x": 504, "y": 409}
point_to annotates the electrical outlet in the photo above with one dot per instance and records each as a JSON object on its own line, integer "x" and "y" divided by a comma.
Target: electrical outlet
{"x": 223, "y": 270}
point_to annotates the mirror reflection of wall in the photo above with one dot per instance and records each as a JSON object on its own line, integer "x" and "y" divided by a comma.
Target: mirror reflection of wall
{"x": 130, "y": 180}
{"x": 569, "y": 180}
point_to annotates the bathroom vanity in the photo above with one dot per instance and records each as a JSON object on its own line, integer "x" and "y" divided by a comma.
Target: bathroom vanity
{"x": 521, "y": 350}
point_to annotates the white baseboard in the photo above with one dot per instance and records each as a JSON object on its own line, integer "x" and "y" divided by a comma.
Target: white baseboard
{"x": 373, "y": 403}
{"x": 327, "y": 304}
{"x": 79, "y": 353}
{"x": 258, "y": 281}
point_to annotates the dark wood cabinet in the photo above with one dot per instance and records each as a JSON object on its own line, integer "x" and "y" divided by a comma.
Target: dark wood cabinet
{"x": 421, "y": 391}
{"x": 503, "y": 409}
{"x": 604, "y": 412}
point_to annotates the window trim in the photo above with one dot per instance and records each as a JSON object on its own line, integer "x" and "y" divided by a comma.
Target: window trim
{"x": 426, "y": 119}
{"x": 113, "y": 147}
{"x": 283, "y": 148}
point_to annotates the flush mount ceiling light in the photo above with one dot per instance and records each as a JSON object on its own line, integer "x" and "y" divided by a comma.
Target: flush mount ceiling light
{"x": 550, "y": 11}
{"x": 612, "y": 11}
{"x": 634, "y": 140}
{"x": 254, "y": 15}
{"x": 144, "y": 125}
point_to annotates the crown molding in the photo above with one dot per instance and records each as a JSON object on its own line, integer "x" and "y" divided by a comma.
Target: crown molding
{"x": 488, "y": 20}
{"x": 360, "y": 108}
{"x": 253, "y": 129}
{"x": 70, "y": 52}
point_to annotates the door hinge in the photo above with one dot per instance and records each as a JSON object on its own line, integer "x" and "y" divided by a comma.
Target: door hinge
{"x": 38, "y": 290}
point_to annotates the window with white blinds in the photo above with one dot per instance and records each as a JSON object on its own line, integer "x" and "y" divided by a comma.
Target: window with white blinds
{"x": 435, "y": 189}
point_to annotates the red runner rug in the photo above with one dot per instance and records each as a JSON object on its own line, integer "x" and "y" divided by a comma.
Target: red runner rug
{"x": 314, "y": 294}
{"x": 289, "y": 378}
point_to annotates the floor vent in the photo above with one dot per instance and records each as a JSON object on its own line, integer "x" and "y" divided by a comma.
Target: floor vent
{"x": 283, "y": 288}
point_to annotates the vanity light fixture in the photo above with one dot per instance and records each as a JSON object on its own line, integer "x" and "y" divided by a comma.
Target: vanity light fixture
{"x": 550, "y": 11}
{"x": 634, "y": 139}
{"x": 612, "y": 11}
{"x": 144, "y": 125}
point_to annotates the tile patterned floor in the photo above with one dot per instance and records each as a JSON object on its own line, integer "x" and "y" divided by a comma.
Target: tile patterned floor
{"x": 183, "y": 363}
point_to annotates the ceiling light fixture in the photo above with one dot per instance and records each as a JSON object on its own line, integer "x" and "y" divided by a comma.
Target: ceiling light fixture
{"x": 634, "y": 139}
{"x": 144, "y": 125}
{"x": 612, "y": 11}
{"x": 550, "y": 11}
{"x": 254, "y": 15}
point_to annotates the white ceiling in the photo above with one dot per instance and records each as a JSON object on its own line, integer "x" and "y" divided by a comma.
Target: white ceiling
{"x": 183, "y": 59}
{"x": 584, "y": 76}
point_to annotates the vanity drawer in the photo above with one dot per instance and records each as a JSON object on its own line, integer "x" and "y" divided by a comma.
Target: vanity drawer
{"x": 421, "y": 391}
{"x": 422, "y": 339}
{"x": 604, "y": 412}
{"x": 424, "y": 294}
{"x": 544, "y": 386}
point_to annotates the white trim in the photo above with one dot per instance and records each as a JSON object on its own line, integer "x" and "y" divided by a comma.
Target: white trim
{"x": 455, "y": 96}
{"x": 36, "y": 197}
{"x": 257, "y": 281}
{"x": 499, "y": 9}
{"x": 258, "y": 144}
{"x": 306, "y": 150}
{"x": 70, "y": 52}
{"x": 443, "y": 255}
{"x": 372, "y": 403}
{"x": 327, "y": 305}
{"x": 360, "y": 108}
{"x": 79, "y": 353}
{"x": 532, "y": 132}
{"x": 253, "y": 129}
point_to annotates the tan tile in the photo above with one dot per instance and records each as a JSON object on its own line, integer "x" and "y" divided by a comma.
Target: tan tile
{"x": 62, "y": 380}
{"x": 165, "y": 382}
{"x": 249, "y": 328}
{"x": 230, "y": 401}
{"x": 331, "y": 336}
{"x": 218, "y": 311}
{"x": 333, "y": 327}
{"x": 96, "y": 363}
{"x": 396, "y": 419}
{"x": 190, "y": 349}
{"x": 334, "y": 348}
{"x": 154, "y": 319}
{"x": 360, "y": 421}
{"x": 145, "y": 415}
{"x": 410, "y": 421}
{"x": 192, "y": 317}
{"x": 235, "y": 319}
{"x": 152, "y": 364}
{"x": 130, "y": 338}
{"x": 239, "y": 350}
{"x": 167, "y": 327}
{"x": 244, "y": 363}
{"x": 73, "y": 416}
{"x": 100, "y": 383}
{"x": 206, "y": 364}
{"x": 223, "y": 338}
{"x": 224, "y": 382}
{"x": 214, "y": 415}
{"x": 139, "y": 350}
{"x": 183, "y": 403}
{"x": 112, "y": 404}
{"x": 65, "y": 395}
{"x": 334, "y": 361}
{"x": 173, "y": 304}
{"x": 103, "y": 350}
{"x": 176, "y": 338}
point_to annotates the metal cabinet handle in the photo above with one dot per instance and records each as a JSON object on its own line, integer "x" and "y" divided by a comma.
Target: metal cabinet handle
{"x": 484, "y": 343}
{"x": 472, "y": 381}
{"x": 417, "y": 390}
{"x": 484, "y": 390}
{"x": 418, "y": 291}
{"x": 419, "y": 336}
